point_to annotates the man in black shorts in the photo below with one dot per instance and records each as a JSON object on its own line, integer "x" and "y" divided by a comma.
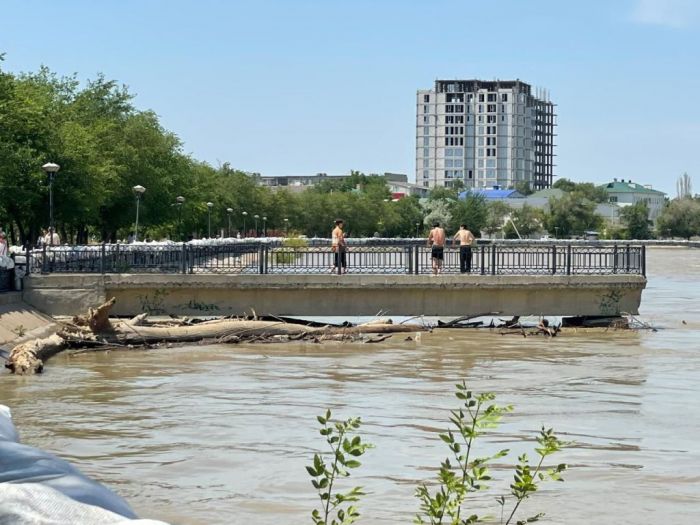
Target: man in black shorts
{"x": 436, "y": 239}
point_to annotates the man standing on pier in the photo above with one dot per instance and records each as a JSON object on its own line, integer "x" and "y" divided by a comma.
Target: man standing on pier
{"x": 466, "y": 238}
{"x": 339, "y": 248}
{"x": 436, "y": 239}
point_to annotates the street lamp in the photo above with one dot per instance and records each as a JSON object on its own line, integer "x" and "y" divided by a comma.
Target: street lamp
{"x": 417, "y": 228}
{"x": 286, "y": 227}
{"x": 229, "y": 211}
{"x": 179, "y": 201}
{"x": 245, "y": 232}
{"x": 256, "y": 217}
{"x": 51, "y": 168}
{"x": 210, "y": 205}
{"x": 264, "y": 225}
{"x": 138, "y": 191}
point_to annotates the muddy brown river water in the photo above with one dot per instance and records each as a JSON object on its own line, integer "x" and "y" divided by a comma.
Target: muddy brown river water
{"x": 221, "y": 434}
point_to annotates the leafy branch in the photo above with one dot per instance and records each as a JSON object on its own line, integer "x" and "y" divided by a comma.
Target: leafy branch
{"x": 344, "y": 449}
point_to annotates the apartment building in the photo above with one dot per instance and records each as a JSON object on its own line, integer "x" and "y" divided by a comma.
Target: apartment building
{"x": 485, "y": 134}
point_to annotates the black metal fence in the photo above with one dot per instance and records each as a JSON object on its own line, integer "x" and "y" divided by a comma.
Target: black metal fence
{"x": 380, "y": 258}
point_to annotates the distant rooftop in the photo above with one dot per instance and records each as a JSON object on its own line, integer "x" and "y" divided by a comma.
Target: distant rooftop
{"x": 627, "y": 186}
{"x": 470, "y": 86}
{"x": 493, "y": 194}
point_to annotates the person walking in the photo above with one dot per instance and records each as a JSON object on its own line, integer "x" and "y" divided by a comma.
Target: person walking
{"x": 466, "y": 238}
{"x": 436, "y": 239}
{"x": 339, "y": 248}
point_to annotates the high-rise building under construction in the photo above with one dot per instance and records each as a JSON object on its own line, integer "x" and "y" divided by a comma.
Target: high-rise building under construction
{"x": 485, "y": 134}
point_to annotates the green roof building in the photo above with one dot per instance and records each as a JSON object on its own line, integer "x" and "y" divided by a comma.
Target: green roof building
{"x": 625, "y": 193}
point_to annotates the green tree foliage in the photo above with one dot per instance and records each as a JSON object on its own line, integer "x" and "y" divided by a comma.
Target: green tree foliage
{"x": 527, "y": 220}
{"x": 636, "y": 221}
{"x": 680, "y": 218}
{"x": 571, "y": 215}
{"x": 498, "y": 212}
{"x": 472, "y": 211}
{"x": 586, "y": 190}
{"x": 523, "y": 187}
{"x": 105, "y": 146}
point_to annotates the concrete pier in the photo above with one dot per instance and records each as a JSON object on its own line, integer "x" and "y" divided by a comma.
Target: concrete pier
{"x": 317, "y": 295}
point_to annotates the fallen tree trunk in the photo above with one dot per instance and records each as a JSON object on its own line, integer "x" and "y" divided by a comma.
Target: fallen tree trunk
{"x": 97, "y": 328}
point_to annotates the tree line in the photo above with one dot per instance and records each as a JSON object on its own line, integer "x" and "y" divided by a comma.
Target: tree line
{"x": 106, "y": 146}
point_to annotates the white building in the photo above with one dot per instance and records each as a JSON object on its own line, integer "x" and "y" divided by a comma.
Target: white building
{"x": 484, "y": 133}
{"x": 625, "y": 193}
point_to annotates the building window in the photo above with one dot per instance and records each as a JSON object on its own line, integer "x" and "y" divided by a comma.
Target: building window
{"x": 504, "y": 97}
{"x": 613, "y": 199}
{"x": 492, "y": 97}
{"x": 491, "y": 108}
{"x": 426, "y": 141}
{"x": 481, "y": 108}
{"x": 471, "y": 174}
{"x": 425, "y": 119}
{"x": 426, "y": 98}
{"x": 426, "y": 163}
{"x": 481, "y": 97}
{"x": 426, "y": 174}
{"x": 426, "y": 152}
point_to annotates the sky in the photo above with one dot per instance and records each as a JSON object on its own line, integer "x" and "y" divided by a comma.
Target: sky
{"x": 301, "y": 87}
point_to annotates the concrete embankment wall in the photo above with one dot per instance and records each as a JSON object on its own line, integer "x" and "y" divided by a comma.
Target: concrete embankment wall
{"x": 18, "y": 320}
{"x": 316, "y": 295}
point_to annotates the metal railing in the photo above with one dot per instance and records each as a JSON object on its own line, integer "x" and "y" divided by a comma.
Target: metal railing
{"x": 407, "y": 257}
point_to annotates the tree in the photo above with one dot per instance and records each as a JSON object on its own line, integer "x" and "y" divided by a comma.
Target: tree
{"x": 571, "y": 215}
{"x": 523, "y": 187}
{"x": 684, "y": 186}
{"x": 636, "y": 220}
{"x": 587, "y": 190}
{"x": 680, "y": 218}
{"x": 472, "y": 211}
{"x": 527, "y": 220}
{"x": 498, "y": 211}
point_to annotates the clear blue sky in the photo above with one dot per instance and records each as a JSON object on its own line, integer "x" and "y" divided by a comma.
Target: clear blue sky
{"x": 300, "y": 87}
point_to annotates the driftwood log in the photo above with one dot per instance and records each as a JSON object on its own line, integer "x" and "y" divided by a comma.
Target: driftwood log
{"x": 97, "y": 329}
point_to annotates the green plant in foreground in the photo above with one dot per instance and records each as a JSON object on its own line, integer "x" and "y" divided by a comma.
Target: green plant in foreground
{"x": 465, "y": 473}
{"x": 345, "y": 448}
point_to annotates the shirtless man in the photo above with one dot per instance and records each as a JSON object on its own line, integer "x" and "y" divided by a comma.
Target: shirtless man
{"x": 339, "y": 247}
{"x": 466, "y": 238}
{"x": 436, "y": 239}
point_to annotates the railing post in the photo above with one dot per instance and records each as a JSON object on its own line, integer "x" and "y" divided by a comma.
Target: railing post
{"x": 102, "y": 258}
{"x": 261, "y": 263}
{"x": 409, "y": 257}
{"x": 116, "y": 259}
{"x": 267, "y": 254}
{"x": 26, "y": 261}
{"x": 44, "y": 261}
{"x": 615, "y": 258}
{"x": 568, "y": 259}
{"x": 493, "y": 259}
{"x": 627, "y": 256}
{"x": 483, "y": 259}
{"x": 416, "y": 259}
{"x": 554, "y": 259}
{"x": 644, "y": 260}
{"x": 184, "y": 258}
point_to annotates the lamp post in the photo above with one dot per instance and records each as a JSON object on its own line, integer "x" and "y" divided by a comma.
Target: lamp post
{"x": 286, "y": 227}
{"x": 51, "y": 168}
{"x": 179, "y": 201}
{"x": 245, "y": 232}
{"x": 264, "y": 225}
{"x": 229, "y": 211}
{"x": 138, "y": 191}
{"x": 256, "y": 217}
{"x": 210, "y": 205}
{"x": 417, "y": 228}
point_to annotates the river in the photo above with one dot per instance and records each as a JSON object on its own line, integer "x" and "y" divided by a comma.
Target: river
{"x": 221, "y": 434}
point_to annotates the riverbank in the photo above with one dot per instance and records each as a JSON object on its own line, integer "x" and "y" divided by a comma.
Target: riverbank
{"x": 20, "y": 322}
